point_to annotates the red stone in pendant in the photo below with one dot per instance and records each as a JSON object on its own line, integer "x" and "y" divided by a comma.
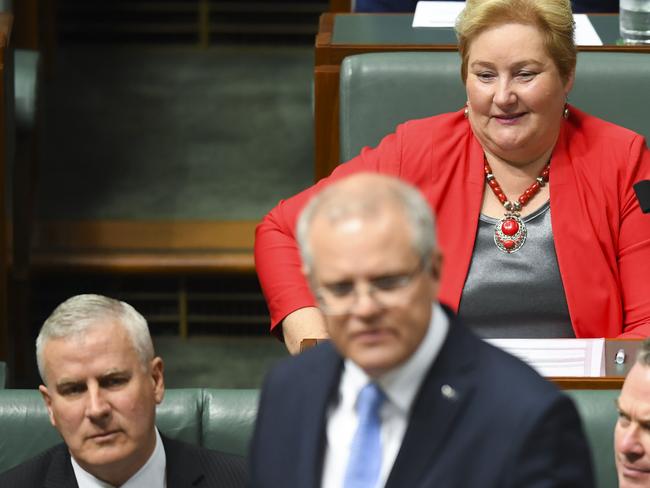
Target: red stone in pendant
{"x": 509, "y": 227}
{"x": 508, "y": 244}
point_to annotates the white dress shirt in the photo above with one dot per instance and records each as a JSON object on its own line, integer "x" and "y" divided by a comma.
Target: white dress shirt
{"x": 151, "y": 475}
{"x": 400, "y": 386}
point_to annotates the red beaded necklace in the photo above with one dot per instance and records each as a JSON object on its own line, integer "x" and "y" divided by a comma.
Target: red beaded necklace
{"x": 510, "y": 232}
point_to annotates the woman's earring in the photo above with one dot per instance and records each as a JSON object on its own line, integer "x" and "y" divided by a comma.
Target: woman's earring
{"x": 466, "y": 111}
{"x": 565, "y": 112}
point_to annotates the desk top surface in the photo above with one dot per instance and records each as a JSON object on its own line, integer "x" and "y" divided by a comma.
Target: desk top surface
{"x": 395, "y": 29}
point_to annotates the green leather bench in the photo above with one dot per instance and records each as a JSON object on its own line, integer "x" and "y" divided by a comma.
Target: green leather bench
{"x": 216, "y": 419}
{"x": 598, "y": 411}
{"x": 223, "y": 419}
{"x": 378, "y": 91}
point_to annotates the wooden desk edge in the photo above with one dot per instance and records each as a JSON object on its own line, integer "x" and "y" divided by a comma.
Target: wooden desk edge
{"x": 587, "y": 383}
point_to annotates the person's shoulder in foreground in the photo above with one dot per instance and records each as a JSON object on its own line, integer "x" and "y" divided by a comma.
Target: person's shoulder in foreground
{"x": 187, "y": 465}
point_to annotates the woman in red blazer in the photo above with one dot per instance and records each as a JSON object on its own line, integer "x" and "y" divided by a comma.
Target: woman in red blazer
{"x": 537, "y": 219}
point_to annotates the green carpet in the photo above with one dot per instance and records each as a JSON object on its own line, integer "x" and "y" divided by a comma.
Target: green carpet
{"x": 175, "y": 132}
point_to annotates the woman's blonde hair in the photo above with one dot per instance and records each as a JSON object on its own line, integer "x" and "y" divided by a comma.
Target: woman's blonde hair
{"x": 553, "y": 18}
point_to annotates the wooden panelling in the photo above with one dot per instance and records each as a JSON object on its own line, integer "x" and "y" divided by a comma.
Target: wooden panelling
{"x": 199, "y": 20}
{"x": 340, "y": 5}
{"x": 5, "y": 98}
{"x": 145, "y": 246}
{"x": 27, "y": 24}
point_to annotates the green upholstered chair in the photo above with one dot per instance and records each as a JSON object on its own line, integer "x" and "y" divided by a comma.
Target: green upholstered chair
{"x": 217, "y": 419}
{"x": 598, "y": 412}
{"x": 25, "y": 427}
{"x": 223, "y": 419}
{"x": 3, "y": 375}
{"x": 380, "y": 90}
{"x": 228, "y": 419}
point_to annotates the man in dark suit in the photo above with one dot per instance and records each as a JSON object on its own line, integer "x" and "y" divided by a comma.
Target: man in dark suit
{"x": 403, "y": 395}
{"x": 101, "y": 387}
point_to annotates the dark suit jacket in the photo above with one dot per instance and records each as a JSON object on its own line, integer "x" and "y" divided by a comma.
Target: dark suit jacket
{"x": 506, "y": 427}
{"x": 187, "y": 466}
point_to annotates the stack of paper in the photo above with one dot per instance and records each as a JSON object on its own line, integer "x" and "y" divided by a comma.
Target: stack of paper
{"x": 558, "y": 357}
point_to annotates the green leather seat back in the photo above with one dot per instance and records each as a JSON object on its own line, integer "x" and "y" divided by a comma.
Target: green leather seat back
{"x": 614, "y": 87}
{"x": 26, "y": 86}
{"x": 228, "y": 419}
{"x": 598, "y": 412}
{"x": 25, "y": 428}
{"x": 378, "y": 91}
{"x": 179, "y": 414}
{"x": 3, "y": 375}
{"x": 224, "y": 419}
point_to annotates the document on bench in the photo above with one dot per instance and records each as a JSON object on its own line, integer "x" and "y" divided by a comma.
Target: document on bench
{"x": 437, "y": 14}
{"x": 443, "y": 14}
{"x": 558, "y": 357}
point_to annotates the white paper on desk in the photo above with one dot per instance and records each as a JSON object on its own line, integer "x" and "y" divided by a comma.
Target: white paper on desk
{"x": 437, "y": 14}
{"x": 585, "y": 33}
{"x": 558, "y": 357}
{"x": 443, "y": 14}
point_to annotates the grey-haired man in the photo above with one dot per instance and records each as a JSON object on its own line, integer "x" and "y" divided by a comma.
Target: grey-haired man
{"x": 102, "y": 383}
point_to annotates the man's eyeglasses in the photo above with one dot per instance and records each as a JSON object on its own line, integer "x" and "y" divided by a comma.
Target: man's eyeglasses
{"x": 388, "y": 290}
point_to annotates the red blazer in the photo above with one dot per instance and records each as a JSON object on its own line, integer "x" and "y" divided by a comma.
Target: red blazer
{"x": 602, "y": 239}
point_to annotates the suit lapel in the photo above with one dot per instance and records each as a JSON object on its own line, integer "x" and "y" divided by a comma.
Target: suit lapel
{"x": 445, "y": 392}
{"x": 183, "y": 469}
{"x": 320, "y": 385}
{"x": 60, "y": 473}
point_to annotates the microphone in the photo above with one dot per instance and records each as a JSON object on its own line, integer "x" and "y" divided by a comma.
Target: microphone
{"x": 642, "y": 190}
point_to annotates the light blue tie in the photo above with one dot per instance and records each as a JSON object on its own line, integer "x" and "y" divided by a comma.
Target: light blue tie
{"x": 365, "y": 453}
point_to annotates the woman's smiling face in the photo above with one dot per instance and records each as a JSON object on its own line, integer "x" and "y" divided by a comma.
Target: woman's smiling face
{"x": 515, "y": 92}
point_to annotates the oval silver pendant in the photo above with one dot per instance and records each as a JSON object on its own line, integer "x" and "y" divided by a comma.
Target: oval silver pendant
{"x": 510, "y": 233}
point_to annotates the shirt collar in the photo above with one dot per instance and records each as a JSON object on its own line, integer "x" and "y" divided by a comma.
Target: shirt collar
{"x": 402, "y": 383}
{"x": 151, "y": 474}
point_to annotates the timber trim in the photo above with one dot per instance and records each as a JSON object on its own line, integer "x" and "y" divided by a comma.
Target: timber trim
{"x": 125, "y": 246}
{"x": 6, "y": 97}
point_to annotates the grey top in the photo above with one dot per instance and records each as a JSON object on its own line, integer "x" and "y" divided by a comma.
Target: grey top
{"x": 519, "y": 294}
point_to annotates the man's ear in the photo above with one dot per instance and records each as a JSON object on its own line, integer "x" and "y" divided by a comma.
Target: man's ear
{"x": 48, "y": 403}
{"x": 158, "y": 379}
